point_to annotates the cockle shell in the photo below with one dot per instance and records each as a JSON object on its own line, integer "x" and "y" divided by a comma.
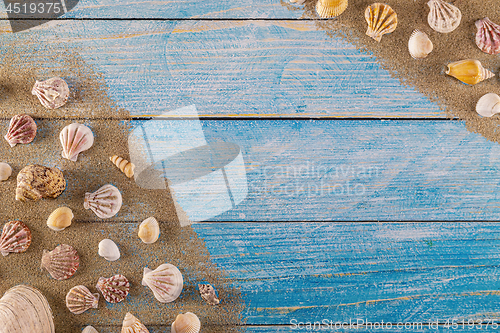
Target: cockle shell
{"x": 109, "y": 250}
{"x": 62, "y": 262}
{"x": 22, "y": 129}
{"x": 36, "y": 181}
{"x": 469, "y": 71}
{"x": 132, "y": 325}
{"x": 75, "y": 138}
{"x": 443, "y": 17}
{"x": 330, "y": 8}
{"x": 165, "y": 281}
{"x": 60, "y": 219}
{"x": 125, "y": 166}
{"x": 89, "y": 329}
{"x": 186, "y": 323}
{"x": 381, "y": 20}
{"x": 419, "y": 45}
{"x": 207, "y": 292}
{"x": 114, "y": 289}
{"x": 149, "y": 230}
{"x": 5, "y": 171}
{"x": 15, "y": 238}
{"x": 488, "y": 36}
{"x": 79, "y": 299}
{"x": 488, "y": 105}
{"x": 52, "y": 93}
{"x": 105, "y": 202}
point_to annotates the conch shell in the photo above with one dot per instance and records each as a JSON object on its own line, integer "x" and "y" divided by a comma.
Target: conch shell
{"x": 149, "y": 230}
{"x": 132, "y": 325}
{"x": 22, "y": 129}
{"x": 381, "y": 19}
{"x": 62, "y": 262}
{"x": 125, "y": 166}
{"x": 186, "y": 323}
{"x": 52, "y": 93}
{"x": 443, "y": 17}
{"x": 36, "y": 181}
{"x": 419, "y": 45}
{"x": 488, "y": 105}
{"x": 5, "y": 171}
{"x": 60, "y": 219}
{"x": 75, "y": 138}
{"x": 469, "y": 71}
{"x": 330, "y": 8}
{"x": 105, "y": 202}
{"x": 165, "y": 281}
{"x": 488, "y": 36}
{"x": 79, "y": 299}
{"x": 15, "y": 238}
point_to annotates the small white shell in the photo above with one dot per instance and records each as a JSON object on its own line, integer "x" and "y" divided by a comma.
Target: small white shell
{"x": 186, "y": 323}
{"x": 165, "y": 282}
{"x": 5, "y": 171}
{"x": 443, "y": 17}
{"x": 109, "y": 250}
{"x": 75, "y": 138}
{"x": 488, "y": 105}
{"x": 105, "y": 202}
{"x": 149, "y": 230}
{"x": 419, "y": 45}
{"x": 132, "y": 325}
{"x": 89, "y": 329}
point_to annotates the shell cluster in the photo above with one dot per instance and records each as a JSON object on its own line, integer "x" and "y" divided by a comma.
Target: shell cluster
{"x": 330, "y": 8}
{"x": 114, "y": 289}
{"x": 22, "y": 129}
{"x": 79, "y": 299}
{"x": 207, "y": 292}
{"x": 60, "y": 219}
{"x": 75, "y": 138}
{"x": 132, "y": 325}
{"x": 165, "y": 282}
{"x": 62, "y": 262}
{"x": 109, "y": 250}
{"x": 186, "y": 323}
{"x": 52, "y": 93}
{"x": 15, "y": 238}
{"x": 105, "y": 202}
{"x": 125, "y": 166}
{"x": 381, "y": 19}
{"x": 37, "y": 181}
{"x": 149, "y": 230}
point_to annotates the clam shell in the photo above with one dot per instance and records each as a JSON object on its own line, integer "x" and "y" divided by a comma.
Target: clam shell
{"x": 469, "y": 71}
{"x": 149, "y": 230}
{"x": 79, "y": 299}
{"x": 132, "y": 325}
{"x": 125, "y": 166}
{"x": 62, "y": 262}
{"x": 15, "y": 238}
{"x": 488, "y": 36}
{"x": 75, "y": 138}
{"x": 381, "y": 20}
{"x": 105, "y": 202}
{"x": 207, "y": 292}
{"x": 165, "y": 282}
{"x": 22, "y": 129}
{"x": 114, "y": 289}
{"x": 52, "y": 93}
{"x": 36, "y": 181}
{"x": 419, "y": 45}
{"x": 186, "y": 323}
{"x": 5, "y": 171}
{"x": 488, "y": 105}
{"x": 443, "y": 17}
{"x": 330, "y": 8}
{"x": 109, "y": 250}
{"x": 89, "y": 329}
{"x": 60, "y": 219}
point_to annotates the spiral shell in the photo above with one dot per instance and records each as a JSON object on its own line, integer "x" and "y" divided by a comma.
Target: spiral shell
{"x": 5, "y": 171}
{"x": 186, "y": 323}
{"x": 381, "y": 20}
{"x": 89, "y": 329}
{"x": 207, "y": 292}
{"x": 79, "y": 299}
{"x": 60, "y": 219}
{"x": 443, "y": 17}
{"x": 330, "y": 8}
{"x": 105, "y": 202}
{"x": 22, "y": 129}
{"x": 109, "y": 250}
{"x": 62, "y": 262}
{"x": 132, "y": 325}
{"x": 125, "y": 166}
{"x": 165, "y": 281}
{"x": 149, "y": 230}
{"x": 114, "y": 289}
{"x": 469, "y": 71}
{"x": 419, "y": 45}
{"x": 36, "y": 181}
{"x": 15, "y": 238}
{"x": 488, "y": 36}
{"x": 75, "y": 138}
{"x": 52, "y": 93}
{"x": 488, "y": 105}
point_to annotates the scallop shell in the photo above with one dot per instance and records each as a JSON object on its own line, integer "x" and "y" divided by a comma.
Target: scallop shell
{"x": 125, "y": 166}
{"x": 105, "y": 202}
{"x": 114, "y": 289}
{"x": 443, "y": 17}
{"x": 149, "y": 230}
{"x": 186, "y": 323}
{"x": 36, "y": 181}
{"x": 79, "y": 299}
{"x": 330, "y": 8}
{"x": 488, "y": 105}
{"x": 62, "y": 262}
{"x": 109, "y": 250}
{"x": 207, "y": 292}
{"x": 75, "y": 138}
{"x": 381, "y": 20}
{"x": 89, "y": 329}
{"x": 16, "y": 238}
{"x": 52, "y": 93}
{"x": 22, "y": 129}
{"x": 419, "y": 45}
{"x": 60, "y": 219}
{"x": 165, "y": 281}
{"x": 132, "y": 325}
{"x": 488, "y": 36}
{"x": 5, "y": 171}
{"x": 469, "y": 71}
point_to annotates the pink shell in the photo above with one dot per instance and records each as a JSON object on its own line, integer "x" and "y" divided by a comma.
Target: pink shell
{"x": 488, "y": 36}
{"x": 75, "y": 138}
{"x": 62, "y": 262}
{"x": 79, "y": 299}
{"x": 52, "y": 93}
{"x": 105, "y": 202}
{"x": 16, "y": 237}
{"x": 22, "y": 129}
{"x": 165, "y": 282}
{"x": 114, "y": 289}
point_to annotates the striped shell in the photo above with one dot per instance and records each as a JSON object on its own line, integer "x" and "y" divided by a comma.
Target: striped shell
{"x": 36, "y": 181}
{"x": 22, "y": 129}
{"x": 114, "y": 289}
{"x": 207, "y": 292}
{"x": 330, "y": 8}
{"x": 165, "y": 281}
{"x": 52, "y": 93}
{"x": 488, "y": 36}
{"x": 89, "y": 329}
{"x": 149, "y": 230}
{"x": 75, "y": 138}
{"x": 16, "y": 238}
{"x": 381, "y": 20}
{"x": 186, "y": 323}
{"x": 79, "y": 299}
{"x": 105, "y": 202}
{"x": 125, "y": 166}
{"x": 469, "y": 71}
{"x": 443, "y": 17}
{"x": 132, "y": 325}
{"x": 62, "y": 262}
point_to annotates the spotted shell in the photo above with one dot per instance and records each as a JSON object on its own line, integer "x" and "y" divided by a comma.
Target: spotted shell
{"x": 89, "y": 329}
{"x": 149, "y": 230}
{"x": 105, "y": 202}
{"x": 60, "y": 219}
{"x": 114, "y": 289}
{"x": 22, "y": 129}
{"x": 62, "y": 262}
{"x": 52, "y": 93}
{"x": 443, "y": 17}
{"x": 79, "y": 299}
{"x": 469, "y": 71}
{"x": 132, "y": 325}
{"x": 15, "y": 238}
{"x": 381, "y": 19}
{"x": 165, "y": 282}
{"x": 330, "y": 8}
{"x": 488, "y": 36}
{"x": 186, "y": 323}
{"x": 207, "y": 292}
{"x": 75, "y": 138}
{"x": 36, "y": 181}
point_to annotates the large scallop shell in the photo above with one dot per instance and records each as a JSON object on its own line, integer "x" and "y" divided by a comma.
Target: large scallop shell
{"x": 60, "y": 218}
{"x": 109, "y": 250}
{"x": 165, "y": 281}
{"x": 468, "y": 71}
{"x": 36, "y": 181}
{"x": 381, "y": 20}
{"x": 149, "y": 230}
{"x": 488, "y": 105}
{"x": 488, "y": 36}
{"x": 5, "y": 171}
{"x": 114, "y": 289}
{"x": 207, "y": 292}
{"x": 22, "y": 129}
{"x": 62, "y": 262}
{"x": 419, "y": 45}
{"x": 105, "y": 202}
{"x": 89, "y": 329}
{"x": 52, "y": 93}
{"x": 330, "y": 8}
{"x": 79, "y": 299}
{"x": 443, "y": 17}
{"x": 186, "y": 323}
{"x": 75, "y": 138}
{"x": 16, "y": 238}
{"x": 125, "y": 166}
{"x": 132, "y": 325}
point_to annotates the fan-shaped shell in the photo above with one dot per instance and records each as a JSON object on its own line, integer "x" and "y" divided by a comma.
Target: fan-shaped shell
{"x": 149, "y": 230}
{"x": 207, "y": 292}
{"x": 488, "y": 105}
{"x": 488, "y": 36}
{"x": 79, "y": 299}
{"x": 381, "y": 20}
{"x": 22, "y": 129}
{"x": 36, "y": 181}
{"x": 419, "y": 45}
{"x": 105, "y": 202}
{"x": 125, "y": 166}
{"x": 89, "y": 329}
{"x": 62, "y": 262}
{"x": 114, "y": 289}
{"x": 5, "y": 171}
{"x": 469, "y": 71}
{"x": 109, "y": 250}
{"x": 132, "y": 325}
{"x": 186, "y": 323}
{"x": 52, "y": 93}
{"x": 15, "y": 238}
{"x": 165, "y": 281}
{"x": 75, "y": 138}
{"x": 330, "y": 8}
{"x": 60, "y": 219}
{"x": 443, "y": 17}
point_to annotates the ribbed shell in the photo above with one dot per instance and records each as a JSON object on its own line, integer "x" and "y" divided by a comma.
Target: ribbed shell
{"x": 381, "y": 20}
{"x": 488, "y": 36}
{"x": 165, "y": 281}
{"x": 75, "y": 138}
{"x": 105, "y": 202}
{"x": 79, "y": 299}
{"x": 132, "y": 325}
{"x": 36, "y": 181}
{"x": 60, "y": 218}
{"x": 186, "y": 323}
{"x": 89, "y": 329}
{"x": 330, "y": 8}
{"x": 114, "y": 289}
{"x": 5, "y": 171}
{"x": 443, "y": 17}
{"x": 22, "y": 129}
{"x": 62, "y": 262}
{"x": 149, "y": 230}
{"x": 125, "y": 166}
{"x": 488, "y": 105}
{"x": 52, "y": 93}
{"x": 419, "y": 45}
{"x": 16, "y": 238}
{"x": 469, "y": 71}
{"x": 207, "y": 292}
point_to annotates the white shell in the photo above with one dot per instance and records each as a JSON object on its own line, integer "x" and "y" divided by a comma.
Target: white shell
{"x": 89, "y": 329}
{"x": 132, "y": 325}
{"x": 149, "y": 230}
{"x": 186, "y": 323}
{"x": 109, "y": 250}
{"x": 419, "y": 45}
{"x": 52, "y": 93}
{"x": 488, "y": 105}
{"x": 105, "y": 202}
{"x": 443, "y": 17}
{"x": 5, "y": 171}
{"x": 75, "y": 138}
{"x": 165, "y": 281}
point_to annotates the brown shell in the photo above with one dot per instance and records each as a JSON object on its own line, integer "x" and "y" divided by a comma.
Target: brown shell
{"x": 79, "y": 299}
{"x": 114, "y": 289}
{"x": 37, "y": 181}
{"x": 16, "y": 238}
{"x": 62, "y": 262}
{"x": 125, "y": 166}
{"x": 207, "y": 292}
{"x": 22, "y": 129}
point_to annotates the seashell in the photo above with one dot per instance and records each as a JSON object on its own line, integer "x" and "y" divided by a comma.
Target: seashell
{"x": 25, "y": 309}
{"x": 114, "y": 289}
{"x": 207, "y": 292}
{"x": 109, "y": 250}
{"x": 381, "y": 20}
{"x": 62, "y": 262}
{"x": 132, "y": 325}
{"x": 60, "y": 219}
{"x": 186, "y": 323}
{"x": 488, "y": 36}
{"x": 5, "y": 171}
{"x": 89, "y": 329}
{"x": 75, "y": 138}
{"x": 488, "y": 105}
{"x": 330, "y": 8}
{"x": 36, "y": 181}
{"x": 105, "y": 202}
{"x": 79, "y": 299}
{"x": 149, "y": 230}
{"x": 16, "y": 238}
{"x": 165, "y": 282}
{"x": 469, "y": 71}
{"x": 419, "y": 45}
{"x": 443, "y": 17}
{"x": 22, "y": 129}
{"x": 52, "y": 93}
{"x": 125, "y": 166}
